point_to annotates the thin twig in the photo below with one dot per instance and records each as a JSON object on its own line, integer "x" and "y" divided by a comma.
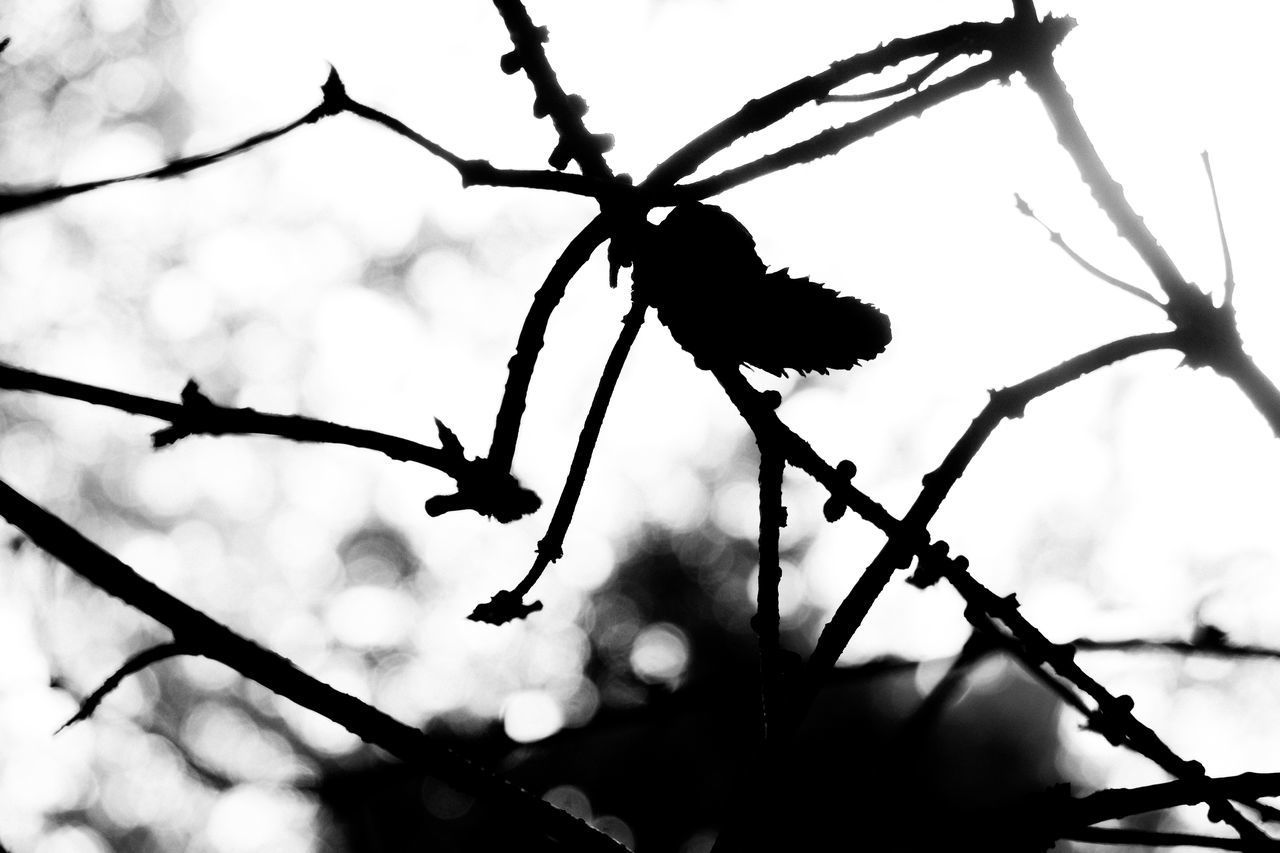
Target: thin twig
{"x": 490, "y": 492}
{"x": 576, "y": 142}
{"x": 1057, "y": 239}
{"x": 1229, "y": 275}
{"x": 835, "y": 139}
{"x": 134, "y": 664}
{"x": 773, "y": 517}
{"x": 1043, "y": 79}
{"x": 510, "y": 604}
{"x": 506, "y": 426}
{"x": 1181, "y": 647}
{"x": 189, "y": 419}
{"x": 1152, "y": 838}
{"x": 1115, "y": 803}
{"x": 760, "y": 113}
{"x": 912, "y": 83}
{"x": 1113, "y": 717}
{"x": 14, "y": 199}
{"x": 210, "y": 638}
{"x": 484, "y": 173}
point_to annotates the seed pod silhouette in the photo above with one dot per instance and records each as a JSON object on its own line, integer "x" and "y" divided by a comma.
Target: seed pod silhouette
{"x": 700, "y": 270}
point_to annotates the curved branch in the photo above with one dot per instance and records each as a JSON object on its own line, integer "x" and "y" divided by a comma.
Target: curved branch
{"x": 210, "y": 638}
{"x": 14, "y": 199}
{"x": 566, "y": 111}
{"x": 506, "y": 426}
{"x": 135, "y": 664}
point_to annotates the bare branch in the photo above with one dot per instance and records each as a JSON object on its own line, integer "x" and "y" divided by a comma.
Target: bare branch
{"x": 912, "y": 83}
{"x": 1229, "y": 275}
{"x": 491, "y": 492}
{"x": 1116, "y": 803}
{"x": 506, "y": 427}
{"x": 14, "y": 199}
{"x": 509, "y": 604}
{"x": 836, "y": 139}
{"x": 1042, "y": 77}
{"x": 1181, "y": 647}
{"x": 135, "y": 664}
{"x": 1113, "y": 717}
{"x": 765, "y": 111}
{"x": 773, "y": 517}
{"x": 1057, "y": 240}
{"x": 484, "y": 173}
{"x": 566, "y": 111}
{"x": 1151, "y": 838}
{"x": 210, "y": 638}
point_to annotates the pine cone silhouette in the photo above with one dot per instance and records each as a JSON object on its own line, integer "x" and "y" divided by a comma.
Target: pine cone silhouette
{"x": 700, "y": 270}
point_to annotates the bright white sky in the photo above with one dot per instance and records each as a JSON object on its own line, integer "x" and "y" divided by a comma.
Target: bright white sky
{"x": 1116, "y": 508}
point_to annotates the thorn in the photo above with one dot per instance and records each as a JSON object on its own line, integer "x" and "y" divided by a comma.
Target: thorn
{"x": 334, "y": 92}
{"x": 448, "y": 441}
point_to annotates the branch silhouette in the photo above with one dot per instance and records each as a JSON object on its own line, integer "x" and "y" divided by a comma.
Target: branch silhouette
{"x": 202, "y": 635}
{"x": 1205, "y": 335}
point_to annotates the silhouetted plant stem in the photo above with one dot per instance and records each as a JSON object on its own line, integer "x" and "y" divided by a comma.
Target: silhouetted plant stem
{"x": 759, "y": 113}
{"x": 1228, "y": 272}
{"x": 773, "y": 517}
{"x": 14, "y": 199}
{"x": 205, "y": 636}
{"x": 481, "y": 486}
{"x": 835, "y": 139}
{"x": 1181, "y": 647}
{"x": 509, "y": 604}
{"x": 1146, "y": 838}
{"x": 134, "y": 664}
{"x": 187, "y": 418}
{"x": 912, "y": 733}
{"x": 506, "y": 426}
{"x": 1113, "y": 717}
{"x": 1212, "y": 337}
{"x": 1116, "y": 803}
{"x": 1043, "y": 79}
{"x": 484, "y": 173}
{"x": 1057, "y": 239}
{"x": 566, "y": 112}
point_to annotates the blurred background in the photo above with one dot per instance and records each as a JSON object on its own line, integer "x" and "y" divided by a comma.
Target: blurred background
{"x": 341, "y": 273}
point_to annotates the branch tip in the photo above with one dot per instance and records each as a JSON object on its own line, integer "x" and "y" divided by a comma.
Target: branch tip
{"x": 1229, "y": 276}
{"x": 504, "y": 607}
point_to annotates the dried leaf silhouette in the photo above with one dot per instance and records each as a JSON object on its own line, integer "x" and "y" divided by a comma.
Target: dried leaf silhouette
{"x": 701, "y": 272}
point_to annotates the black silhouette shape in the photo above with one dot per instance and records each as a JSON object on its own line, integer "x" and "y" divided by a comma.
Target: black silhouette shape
{"x": 700, "y": 270}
